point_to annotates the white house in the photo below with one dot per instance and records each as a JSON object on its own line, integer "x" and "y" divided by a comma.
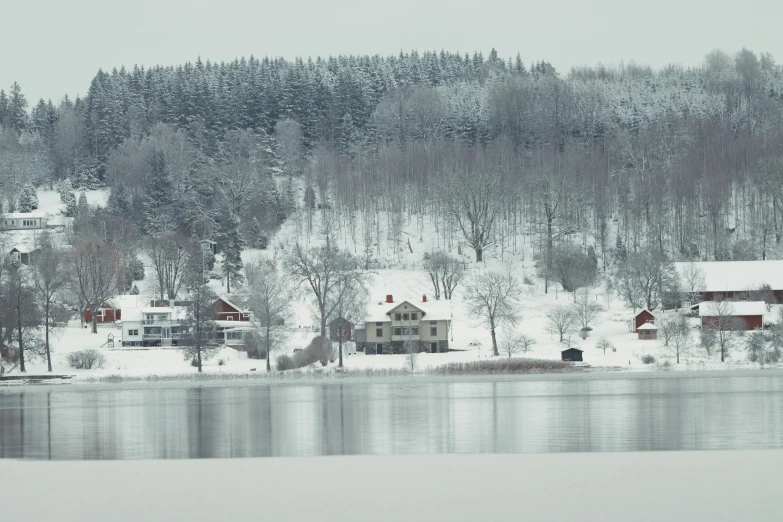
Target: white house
{"x": 390, "y": 325}
{"x": 152, "y": 326}
{"x": 23, "y": 221}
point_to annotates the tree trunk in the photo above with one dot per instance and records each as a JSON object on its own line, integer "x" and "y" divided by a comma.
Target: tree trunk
{"x": 340, "y": 343}
{"x": 479, "y": 254}
{"x": 198, "y": 355}
{"x": 46, "y": 334}
{"x": 19, "y": 334}
{"x": 228, "y": 280}
{"x": 94, "y": 323}
{"x": 494, "y": 342}
{"x": 268, "y": 350}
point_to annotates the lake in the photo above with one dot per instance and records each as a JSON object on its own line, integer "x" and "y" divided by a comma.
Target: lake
{"x": 409, "y": 416}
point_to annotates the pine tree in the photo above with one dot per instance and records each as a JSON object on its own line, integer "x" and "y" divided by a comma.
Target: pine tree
{"x": 70, "y": 205}
{"x": 260, "y": 239}
{"x": 134, "y": 290}
{"x": 158, "y": 199}
{"x": 64, "y": 187}
{"x": 230, "y": 242}
{"x": 28, "y": 199}
{"x": 83, "y": 207}
{"x": 620, "y": 252}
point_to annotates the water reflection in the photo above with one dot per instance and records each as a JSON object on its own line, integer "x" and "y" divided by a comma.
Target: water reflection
{"x": 432, "y": 417}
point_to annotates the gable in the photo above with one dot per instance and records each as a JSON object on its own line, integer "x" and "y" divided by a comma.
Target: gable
{"x": 223, "y": 306}
{"x": 405, "y": 307}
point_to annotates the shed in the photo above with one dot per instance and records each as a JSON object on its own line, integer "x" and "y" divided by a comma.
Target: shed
{"x": 643, "y": 317}
{"x": 340, "y": 327}
{"x": 647, "y": 331}
{"x": 571, "y": 354}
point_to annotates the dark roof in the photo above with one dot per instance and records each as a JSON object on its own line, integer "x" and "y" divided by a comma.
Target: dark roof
{"x": 571, "y": 349}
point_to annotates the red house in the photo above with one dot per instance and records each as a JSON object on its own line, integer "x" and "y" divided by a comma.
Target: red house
{"x": 225, "y": 310}
{"x": 641, "y": 318}
{"x": 105, "y": 314}
{"x": 340, "y": 327}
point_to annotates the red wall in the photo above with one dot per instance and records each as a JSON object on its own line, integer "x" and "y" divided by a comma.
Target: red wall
{"x": 643, "y": 317}
{"x": 109, "y": 315}
{"x": 746, "y": 322}
{"x": 224, "y": 311}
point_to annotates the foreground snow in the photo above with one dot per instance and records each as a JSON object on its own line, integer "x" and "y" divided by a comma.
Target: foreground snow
{"x": 607, "y": 487}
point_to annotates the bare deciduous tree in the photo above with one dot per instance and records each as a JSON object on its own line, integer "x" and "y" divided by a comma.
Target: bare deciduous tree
{"x": 693, "y": 278}
{"x": 270, "y": 301}
{"x": 492, "y": 299}
{"x": 169, "y": 254}
{"x": 474, "y": 200}
{"x": 328, "y": 273}
{"x": 92, "y": 267}
{"x": 585, "y": 311}
{"x": 726, "y": 325}
{"x": 560, "y": 320}
{"x": 445, "y": 270}
{"x": 49, "y": 278}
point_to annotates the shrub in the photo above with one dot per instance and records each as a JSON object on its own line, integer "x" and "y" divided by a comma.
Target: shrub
{"x": 648, "y": 359}
{"x": 310, "y": 355}
{"x": 255, "y": 345}
{"x": 194, "y": 362}
{"x": 135, "y": 269}
{"x": 86, "y": 360}
{"x": 501, "y": 366}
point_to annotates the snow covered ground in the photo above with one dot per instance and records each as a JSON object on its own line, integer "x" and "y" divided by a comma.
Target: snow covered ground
{"x": 608, "y": 487}
{"x": 405, "y": 280}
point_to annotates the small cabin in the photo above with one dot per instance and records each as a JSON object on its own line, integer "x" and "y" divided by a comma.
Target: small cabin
{"x": 207, "y": 245}
{"x": 340, "y": 328}
{"x": 22, "y": 254}
{"x": 571, "y": 354}
{"x": 647, "y": 331}
{"x": 106, "y": 313}
{"x": 643, "y": 317}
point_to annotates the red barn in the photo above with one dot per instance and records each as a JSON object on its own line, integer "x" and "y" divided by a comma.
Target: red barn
{"x": 641, "y": 318}
{"x": 225, "y": 310}
{"x": 733, "y": 315}
{"x": 105, "y": 314}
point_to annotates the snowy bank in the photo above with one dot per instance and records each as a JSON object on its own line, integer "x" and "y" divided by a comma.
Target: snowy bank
{"x": 656, "y": 486}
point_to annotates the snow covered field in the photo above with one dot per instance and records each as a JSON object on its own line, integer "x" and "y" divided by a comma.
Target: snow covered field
{"x": 608, "y": 487}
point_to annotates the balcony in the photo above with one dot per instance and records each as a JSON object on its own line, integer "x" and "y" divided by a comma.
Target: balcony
{"x": 156, "y": 321}
{"x": 404, "y": 338}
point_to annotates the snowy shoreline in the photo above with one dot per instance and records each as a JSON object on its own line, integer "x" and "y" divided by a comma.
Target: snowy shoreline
{"x": 356, "y": 378}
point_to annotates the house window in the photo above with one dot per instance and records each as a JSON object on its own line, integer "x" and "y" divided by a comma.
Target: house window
{"x": 406, "y": 331}
{"x": 133, "y": 332}
{"x": 378, "y": 324}
{"x": 233, "y": 335}
{"x": 229, "y": 318}
{"x": 246, "y": 315}
{"x": 433, "y": 322}
{"x": 99, "y": 312}
{"x": 433, "y": 331}
{"x": 405, "y": 317}
{"x": 397, "y": 331}
{"x": 379, "y": 332}
{"x": 398, "y": 317}
{"x": 414, "y": 316}
{"x": 414, "y": 330}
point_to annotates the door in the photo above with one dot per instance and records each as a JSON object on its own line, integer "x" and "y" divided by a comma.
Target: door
{"x": 434, "y": 347}
{"x": 379, "y": 348}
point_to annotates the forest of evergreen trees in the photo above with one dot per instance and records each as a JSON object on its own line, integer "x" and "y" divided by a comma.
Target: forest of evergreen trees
{"x": 687, "y": 161}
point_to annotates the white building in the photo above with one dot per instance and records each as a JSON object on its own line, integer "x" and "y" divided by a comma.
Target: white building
{"x": 23, "y": 221}
{"x": 152, "y": 326}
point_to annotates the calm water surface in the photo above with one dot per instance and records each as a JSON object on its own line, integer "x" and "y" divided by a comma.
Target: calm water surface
{"x": 239, "y": 420}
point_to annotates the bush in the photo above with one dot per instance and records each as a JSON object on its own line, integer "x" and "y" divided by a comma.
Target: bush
{"x": 86, "y": 360}
{"x": 310, "y": 355}
{"x": 648, "y": 359}
{"x": 135, "y": 269}
{"x": 255, "y": 345}
{"x": 501, "y": 366}
{"x": 194, "y": 362}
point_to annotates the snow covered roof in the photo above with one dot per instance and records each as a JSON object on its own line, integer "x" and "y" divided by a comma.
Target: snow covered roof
{"x": 725, "y": 276}
{"x": 709, "y": 309}
{"x": 24, "y": 215}
{"x": 232, "y": 305}
{"x": 131, "y": 314}
{"x": 642, "y": 311}
{"x": 647, "y": 326}
{"x": 156, "y": 310}
{"x": 432, "y": 310}
{"x": 124, "y": 301}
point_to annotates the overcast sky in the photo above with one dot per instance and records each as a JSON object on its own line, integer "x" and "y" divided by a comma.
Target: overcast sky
{"x": 53, "y": 47}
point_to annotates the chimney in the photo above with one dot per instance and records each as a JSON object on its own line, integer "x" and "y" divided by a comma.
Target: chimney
{"x": 389, "y": 298}
{"x": 424, "y": 298}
